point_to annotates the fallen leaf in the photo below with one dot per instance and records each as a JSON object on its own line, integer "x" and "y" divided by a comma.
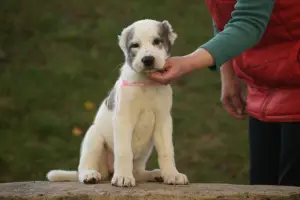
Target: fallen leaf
{"x": 77, "y": 131}
{"x": 89, "y": 105}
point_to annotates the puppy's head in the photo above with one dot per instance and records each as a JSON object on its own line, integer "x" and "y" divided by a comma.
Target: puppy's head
{"x": 146, "y": 44}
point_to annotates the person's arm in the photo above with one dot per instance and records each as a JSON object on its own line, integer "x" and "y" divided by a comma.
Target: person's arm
{"x": 244, "y": 30}
{"x": 215, "y": 31}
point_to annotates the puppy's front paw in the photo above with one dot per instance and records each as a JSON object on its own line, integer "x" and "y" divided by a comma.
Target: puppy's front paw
{"x": 89, "y": 177}
{"x": 123, "y": 181}
{"x": 175, "y": 178}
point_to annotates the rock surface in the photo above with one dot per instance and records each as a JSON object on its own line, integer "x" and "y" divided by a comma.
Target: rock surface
{"x": 153, "y": 191}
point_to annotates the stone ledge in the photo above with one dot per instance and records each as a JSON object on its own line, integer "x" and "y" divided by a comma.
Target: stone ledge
{"x": 76, "y": 191}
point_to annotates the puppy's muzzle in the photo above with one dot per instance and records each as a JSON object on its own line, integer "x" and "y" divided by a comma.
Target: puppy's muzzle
{"x": 148, "y": 62}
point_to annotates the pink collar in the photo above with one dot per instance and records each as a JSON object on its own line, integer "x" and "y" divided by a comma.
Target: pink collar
{"x": 145, "y": 83}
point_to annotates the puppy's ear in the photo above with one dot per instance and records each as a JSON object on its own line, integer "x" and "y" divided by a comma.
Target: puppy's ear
{"x": 124, "y": 38}
{"x": 122, "y": 41}
{"x": 169, "y": 30}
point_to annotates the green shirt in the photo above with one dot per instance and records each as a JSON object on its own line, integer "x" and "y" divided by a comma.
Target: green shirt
{"x": 244, "y": 30}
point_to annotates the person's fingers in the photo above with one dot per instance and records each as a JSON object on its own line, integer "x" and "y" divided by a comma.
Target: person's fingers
{"x": 238, "y": 105}
{"x": 243, "y": 102}
{"x": 162, "y": 77}
{"x": 230, "y": 108}
{"x": 243, "y": 99}
{"x": 158, "y": 77}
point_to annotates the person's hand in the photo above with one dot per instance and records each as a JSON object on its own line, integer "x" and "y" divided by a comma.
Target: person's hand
{"x": 232, "y": 94}
{"x": 174, "y": 68}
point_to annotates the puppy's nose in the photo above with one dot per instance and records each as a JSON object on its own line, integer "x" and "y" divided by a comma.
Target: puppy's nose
{"x": 148, "y": 61}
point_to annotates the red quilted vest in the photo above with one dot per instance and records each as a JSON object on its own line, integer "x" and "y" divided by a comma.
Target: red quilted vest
{"x": 271, "y": 68}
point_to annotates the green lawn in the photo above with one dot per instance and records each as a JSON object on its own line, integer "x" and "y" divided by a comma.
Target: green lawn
{"x": 56, "y": 55}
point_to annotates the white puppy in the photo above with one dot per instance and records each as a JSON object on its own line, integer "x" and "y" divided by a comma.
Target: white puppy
{"x": 134, "y": 117}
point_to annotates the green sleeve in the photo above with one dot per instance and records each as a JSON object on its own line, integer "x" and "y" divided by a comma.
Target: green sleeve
{"x": 244, "y": 30}
{"x": 216, "y": 31}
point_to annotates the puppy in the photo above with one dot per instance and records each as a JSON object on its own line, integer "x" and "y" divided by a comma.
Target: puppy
{"x": 135, "y": 116}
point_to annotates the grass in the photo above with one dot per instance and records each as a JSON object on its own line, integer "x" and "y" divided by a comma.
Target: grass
{"x": 56, "y": 55}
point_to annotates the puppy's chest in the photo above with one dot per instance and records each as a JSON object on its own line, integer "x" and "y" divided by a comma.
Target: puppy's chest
{"x": 147, "y": 103}
{"x": 143, "y": 132}
{"x": 149, "y": 98}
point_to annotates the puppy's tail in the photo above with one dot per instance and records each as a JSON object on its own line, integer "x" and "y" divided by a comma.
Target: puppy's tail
{"x": 62, "y": 175}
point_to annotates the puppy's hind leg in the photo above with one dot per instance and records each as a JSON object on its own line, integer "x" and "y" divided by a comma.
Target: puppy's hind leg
{"x": 92, "y": 165}
{"x": 148, "y": 175}
{"x": 141, "y": 174}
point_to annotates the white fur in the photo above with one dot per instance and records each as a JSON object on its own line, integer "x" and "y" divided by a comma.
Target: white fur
{"x": 140, "y": 120}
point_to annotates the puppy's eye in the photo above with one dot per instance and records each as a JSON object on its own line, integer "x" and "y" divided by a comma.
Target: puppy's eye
{"x": 134, "y": 45}
{"x": 157, "y": 41}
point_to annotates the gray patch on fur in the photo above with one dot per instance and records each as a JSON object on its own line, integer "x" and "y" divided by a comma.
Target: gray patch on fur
{"x": 110, "y": 99}
{"x": 130, "y": 54}
{"x": 164, "y": 33}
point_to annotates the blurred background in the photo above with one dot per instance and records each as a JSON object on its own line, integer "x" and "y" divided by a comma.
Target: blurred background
{"x": 58, "y": 60}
